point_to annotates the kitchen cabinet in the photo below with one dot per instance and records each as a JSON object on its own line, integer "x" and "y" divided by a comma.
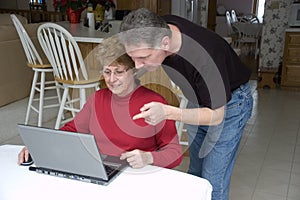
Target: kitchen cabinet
{"x": 211, "y": 18}
{"x": 161, "y": 7}
{"x": 291, "y": 60}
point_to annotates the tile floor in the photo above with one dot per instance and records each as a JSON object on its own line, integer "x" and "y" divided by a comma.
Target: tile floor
{"x": 268, "y": 163}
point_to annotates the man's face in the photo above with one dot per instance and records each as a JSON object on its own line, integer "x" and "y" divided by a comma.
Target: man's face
{"x": 148, "y": 58}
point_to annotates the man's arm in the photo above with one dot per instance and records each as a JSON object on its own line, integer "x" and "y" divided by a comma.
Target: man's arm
{"x": 155, "y": 112}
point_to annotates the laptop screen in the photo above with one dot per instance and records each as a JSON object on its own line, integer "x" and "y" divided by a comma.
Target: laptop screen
{"x": 63, "y": 151}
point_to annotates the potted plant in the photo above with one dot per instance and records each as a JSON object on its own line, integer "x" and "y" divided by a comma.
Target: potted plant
{"x": 72, "y": 7}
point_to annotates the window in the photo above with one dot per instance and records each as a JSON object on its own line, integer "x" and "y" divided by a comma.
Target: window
{"x": 260, "y": 10}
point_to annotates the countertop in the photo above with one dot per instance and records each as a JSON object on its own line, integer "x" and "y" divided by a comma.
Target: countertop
{"x": 292, "y": 30}
{"x": 84, "y": 34}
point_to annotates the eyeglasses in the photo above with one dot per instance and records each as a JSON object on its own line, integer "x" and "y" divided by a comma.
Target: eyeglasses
{"x": 117, "y": 73}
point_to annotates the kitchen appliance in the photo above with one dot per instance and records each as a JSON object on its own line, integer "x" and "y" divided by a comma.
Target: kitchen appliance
{"x": 120, "y": 14}
{"x": 294, "y": 19}
{"x": 189, "y": 9}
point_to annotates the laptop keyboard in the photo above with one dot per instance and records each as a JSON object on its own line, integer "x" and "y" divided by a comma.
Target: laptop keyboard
{"x": 109, "y": 169}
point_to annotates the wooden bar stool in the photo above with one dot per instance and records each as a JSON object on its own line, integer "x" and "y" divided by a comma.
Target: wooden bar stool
{"x": 40, "y": 69}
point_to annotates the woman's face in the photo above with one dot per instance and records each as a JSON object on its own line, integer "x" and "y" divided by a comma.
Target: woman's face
{"x": 119, "y": 79}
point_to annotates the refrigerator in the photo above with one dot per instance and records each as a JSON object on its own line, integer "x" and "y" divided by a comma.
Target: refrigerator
{"x": 189, "y": 9}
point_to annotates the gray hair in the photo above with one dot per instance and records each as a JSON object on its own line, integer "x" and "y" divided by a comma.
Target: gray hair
{"x": 143, "y": 26}
{"x": 112, "y": 52}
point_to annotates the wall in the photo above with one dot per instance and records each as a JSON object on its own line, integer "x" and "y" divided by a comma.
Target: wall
{"x": 8, "y": 4}
{"x": 275, "y": 23}
{"x": 272, "y": 41}
{"x": 240, "y": 8}
{"x": 204, "y": 12}
{"x": 22, "y": 4}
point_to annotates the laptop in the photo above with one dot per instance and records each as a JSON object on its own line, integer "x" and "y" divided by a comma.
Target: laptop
{"x": 69, "y": 155}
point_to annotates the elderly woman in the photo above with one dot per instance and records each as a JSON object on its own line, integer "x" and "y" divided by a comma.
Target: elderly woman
{"x": 108, "y": 115}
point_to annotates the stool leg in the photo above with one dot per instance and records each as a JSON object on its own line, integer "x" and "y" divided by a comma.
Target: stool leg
{"x": 41, "y": 100}
{"x": 31, "y": 96}
{"x": 82, "y": 97}
{"x": 61, "y": 108}
{"x": 58, "y": 91}
{"x": 58, "y": 88}
{"x": 71, "y": 105}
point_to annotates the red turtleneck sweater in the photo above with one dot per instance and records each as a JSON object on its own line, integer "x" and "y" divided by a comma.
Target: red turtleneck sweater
{"x": 109, "y": 118}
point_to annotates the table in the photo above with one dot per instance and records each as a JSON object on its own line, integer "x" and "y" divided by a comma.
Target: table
{"x": 248, "y": 33}
{"x": 150, "y": 182}
{"x": 85, "y": 34}
{"x": 249, "y": 29}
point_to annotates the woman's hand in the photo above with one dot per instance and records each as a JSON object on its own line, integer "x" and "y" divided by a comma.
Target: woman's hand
{"x": 23, "y": 156}
{"x": 137, "y": 158}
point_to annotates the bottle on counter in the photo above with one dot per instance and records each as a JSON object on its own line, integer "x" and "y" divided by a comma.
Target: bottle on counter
{"x": 108, "y": 14}
{"x": 90, "y": 16}
{"x": 99, "y": 13}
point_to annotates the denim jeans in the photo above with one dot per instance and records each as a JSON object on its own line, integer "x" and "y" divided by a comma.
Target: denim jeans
{"x": 213, "y": 149}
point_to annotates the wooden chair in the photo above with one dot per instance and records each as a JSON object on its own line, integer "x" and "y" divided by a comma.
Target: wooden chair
{"x": 233, "y": 16}
{"x": 69, "y": 68}
{"x": 249, "y": 33}
{"x": 250, "y": 18}
{"x": 232, "y": 33}
{"x": 183, "y": 101}
{"x": 40, "y": 69}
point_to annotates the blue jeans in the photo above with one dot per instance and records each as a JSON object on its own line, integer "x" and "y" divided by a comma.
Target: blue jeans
{"x": 213, "y": 149}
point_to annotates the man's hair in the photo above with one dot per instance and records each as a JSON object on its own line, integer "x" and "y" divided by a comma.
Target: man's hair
{"x": 143, "y": 26}
{"x": 112, "y": 52}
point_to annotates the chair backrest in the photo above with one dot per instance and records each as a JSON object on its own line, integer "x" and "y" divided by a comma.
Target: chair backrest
{"x": 233, "y": 16}
{"x": 62, "y": 52}
{"x": 228, "y": 18}
{"x": 228, "y": 22}
{"x": 31, "y": 53}
{"x": 250, "y": 18}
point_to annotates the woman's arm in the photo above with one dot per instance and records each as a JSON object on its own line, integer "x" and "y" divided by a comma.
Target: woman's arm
{"x": 82, "y": 119}
{"x": 168, "y": 151}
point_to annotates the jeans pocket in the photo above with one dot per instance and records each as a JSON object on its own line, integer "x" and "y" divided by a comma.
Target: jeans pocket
{"x": 233, "y": 107}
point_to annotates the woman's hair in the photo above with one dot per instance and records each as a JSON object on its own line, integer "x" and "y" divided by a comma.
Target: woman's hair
{"x": 143, "y": 26}
{"x": 112, "y": 52}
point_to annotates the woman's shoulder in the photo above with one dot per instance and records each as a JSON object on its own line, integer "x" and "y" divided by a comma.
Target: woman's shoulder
{"x": 105, "y": 92}
{"x": 102, "y": 91}
{"x": 148, "y": 94}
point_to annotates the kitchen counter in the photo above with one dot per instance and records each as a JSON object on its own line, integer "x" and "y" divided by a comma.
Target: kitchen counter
{"x": 292, "y": 30}
{"x": 85, "y": 34}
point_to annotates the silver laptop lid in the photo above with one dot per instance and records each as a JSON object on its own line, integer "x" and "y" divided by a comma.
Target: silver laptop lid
{"x": 64, "y": 151}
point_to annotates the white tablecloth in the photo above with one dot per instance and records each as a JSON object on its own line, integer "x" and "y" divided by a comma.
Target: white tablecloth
{"x": 151, "y": 182}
